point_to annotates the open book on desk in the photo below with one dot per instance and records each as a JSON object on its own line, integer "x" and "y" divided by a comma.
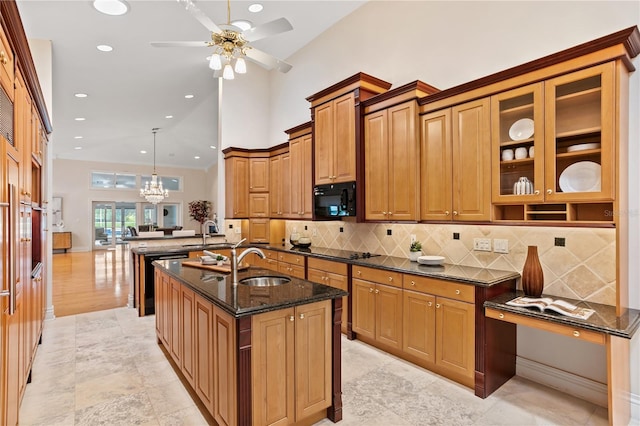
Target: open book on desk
{"x": 547, "y": 303}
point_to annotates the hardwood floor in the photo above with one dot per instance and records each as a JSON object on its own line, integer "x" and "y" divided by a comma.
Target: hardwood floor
{"x": 90, "y": 281}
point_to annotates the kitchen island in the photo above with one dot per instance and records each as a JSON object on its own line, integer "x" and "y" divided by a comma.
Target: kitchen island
{"x": 253, "y": 355}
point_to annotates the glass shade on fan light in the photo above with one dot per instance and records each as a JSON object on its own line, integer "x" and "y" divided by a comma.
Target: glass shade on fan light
{"x": 153, "y": 191}
{"x": 215, "y": 63}
{"x": 227, "y": 74}
{"x": 241, "y": 66}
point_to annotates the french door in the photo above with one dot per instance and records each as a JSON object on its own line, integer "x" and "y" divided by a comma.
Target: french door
{"x": 110, "y": 222}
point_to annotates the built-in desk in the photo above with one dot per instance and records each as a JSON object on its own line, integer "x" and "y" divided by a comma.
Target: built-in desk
{"x": 603, "y": 327}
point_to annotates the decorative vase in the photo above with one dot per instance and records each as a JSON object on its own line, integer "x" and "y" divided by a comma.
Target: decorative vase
{"x": 414, "y": 255}
{"x": 532, "y": 276}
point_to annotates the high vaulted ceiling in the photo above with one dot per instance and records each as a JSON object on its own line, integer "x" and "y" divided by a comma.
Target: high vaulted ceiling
{"x": 134, "y": 87}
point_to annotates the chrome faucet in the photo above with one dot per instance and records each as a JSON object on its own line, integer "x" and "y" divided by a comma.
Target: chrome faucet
{"x": 205, "y": 228}
{"x": 236, "y": 259}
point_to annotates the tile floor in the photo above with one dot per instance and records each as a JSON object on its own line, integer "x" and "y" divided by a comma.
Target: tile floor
{"x": 105, "y": 368}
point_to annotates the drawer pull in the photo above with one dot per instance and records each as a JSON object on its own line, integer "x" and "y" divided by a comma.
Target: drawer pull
{"x": 3, "y": 58}
{"x": 370, "y": 290}
{"x": 291, "y": 318}
{"x": 457, "y": 291}
{"x": 413, "y": 283}
{"x": 358, "y": 272}
{"x": 576, "y": 333}
{"x": 390, "y": 279}
{"x": 377, "y": 291}
{"x": 501, "y": 316}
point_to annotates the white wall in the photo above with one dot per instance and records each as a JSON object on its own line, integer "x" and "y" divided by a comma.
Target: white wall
{"x": 72, "y": 181}
{"x": 449, "y": 43}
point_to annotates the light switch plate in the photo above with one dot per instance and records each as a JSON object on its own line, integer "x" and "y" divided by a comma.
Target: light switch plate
{"x": 482, "y": 244}
{"x": 238, "y": 230}
{"x": 501, "y": 245}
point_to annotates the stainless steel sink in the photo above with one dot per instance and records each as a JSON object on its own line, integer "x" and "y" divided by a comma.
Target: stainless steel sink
{"x": 266, "y": 281}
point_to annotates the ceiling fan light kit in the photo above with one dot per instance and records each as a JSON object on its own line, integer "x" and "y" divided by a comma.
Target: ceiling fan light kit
{"x": 231, "y": 43}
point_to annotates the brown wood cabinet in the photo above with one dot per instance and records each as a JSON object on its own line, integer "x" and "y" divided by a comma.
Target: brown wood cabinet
{"x": 203, "y": 349}
{"x": 259, "y": 204}
{"x": 61, "y": 241}
{"x": 456, "y": 163}
{"x": 377, "y": 307}
{"x": 292, "y": 264}
{"x": 237, "y": 187}
{"x": 187, "y": 331}
{"x": 280, "y": 184}
{"x": 291, "y": 369}
{"x": 258, "y": 230}
{"x": 300, "y": 150}
{"x": 391, "y": 147}
{"x": 259, "y": 174}
{"x": 333, "y": 274}
{"x": 175, "y": 321}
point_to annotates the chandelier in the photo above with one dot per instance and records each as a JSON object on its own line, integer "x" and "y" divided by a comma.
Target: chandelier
{"x": 153, "y": 191}
{"x": 229, "y": 45}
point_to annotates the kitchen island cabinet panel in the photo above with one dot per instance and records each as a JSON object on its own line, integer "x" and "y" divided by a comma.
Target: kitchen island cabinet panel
{"x": 187, "y": 334}
{"x": 204, "y": 351}
{"x": 224, "y": 368}
{"x": 333, "y": 274}
{"x": 175, "y": 321}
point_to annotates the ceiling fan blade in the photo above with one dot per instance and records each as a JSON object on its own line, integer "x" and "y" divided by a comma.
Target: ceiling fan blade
{"x": 200, "y": 16}
{"x": 179, "y": 43}
{"x": 271, "y": 62}
{"x": 265, "y": 30}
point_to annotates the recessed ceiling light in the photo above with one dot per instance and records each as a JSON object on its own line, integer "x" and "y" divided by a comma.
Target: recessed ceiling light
{"x": 188, "y": 96}
{"x": 80, "y": 95}
{"x": 197, "y": 157}
{"x": 104, "y": 48}
{"x": 212, "y": 147}
{"x": 255, "y": 8}
{"x": 168, "y": 116}
{"x": 243, "y": 24}
{"x": 78, "y": 147}
{"x": 111, "y": 7}
{"x": 80, "y": 118}
{"x": 143, "y": 151}
{"x": 77, "y": 137}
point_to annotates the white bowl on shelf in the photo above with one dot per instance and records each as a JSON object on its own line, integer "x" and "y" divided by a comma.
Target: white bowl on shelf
{"x": 431, "y": 260}
{"x": 583, "y": 146}
{"x": 521, "y": 129}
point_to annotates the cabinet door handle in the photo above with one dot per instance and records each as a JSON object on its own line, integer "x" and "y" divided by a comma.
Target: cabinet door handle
{"x": 301, "y": 316}
{"x": 455, "y": 213}
{"x": 384, "y": 213}
{"x": 370, "y": 290}
{"x": 537, "y": 192}
{"x": 576, "y": 333}
{"x": 446, "y": 212}
{"x": 291, "y": 318}
{"x": 437, "y": 305}
{"x": 3, "y": 58}
{"x": 377, "y": 291}
{"x": 429, "y": 304}
{"x": 549, "y": 191}
{"x": 390, "y": 213}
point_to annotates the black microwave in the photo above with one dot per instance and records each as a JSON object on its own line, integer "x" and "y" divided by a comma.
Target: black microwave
{"x": 334, "y": 200}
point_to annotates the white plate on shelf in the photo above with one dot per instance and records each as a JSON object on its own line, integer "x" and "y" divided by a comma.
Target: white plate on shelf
{"x": 583, "y": 176}
{"x": 521, "y": 129}
{"x": 431, "y": 260}
{"x": 583, "y": 146}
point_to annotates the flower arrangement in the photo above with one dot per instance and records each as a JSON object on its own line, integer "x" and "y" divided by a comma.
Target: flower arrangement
{"x": 199, "y": 210}
{"x": 415, "y": 246}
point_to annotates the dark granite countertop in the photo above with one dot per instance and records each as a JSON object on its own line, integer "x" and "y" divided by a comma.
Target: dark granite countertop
{"x": 243, "y": 300}
{"x": 168, "y": 237}
{"x": 603, "y": 320}
{"x": 467, "y": 274}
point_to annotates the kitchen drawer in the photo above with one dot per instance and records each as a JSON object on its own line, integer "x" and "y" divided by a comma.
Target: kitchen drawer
{"x": 7, "y": 65}
{"x": 541, "y": 324}
{"x": 294, "y": 259}
{"x": 290, "y": 269}
{"x": 377, "y": 275}
{"x": 449, "y": 289}
{"x": 327, "y": 265}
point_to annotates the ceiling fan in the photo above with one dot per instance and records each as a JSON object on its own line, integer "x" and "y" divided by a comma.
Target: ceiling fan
{"x": 231, "y": 43}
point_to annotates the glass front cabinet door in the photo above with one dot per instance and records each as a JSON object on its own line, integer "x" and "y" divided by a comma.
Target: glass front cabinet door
{"x": 579, "y": 147}
{"x": 518, "y": 145}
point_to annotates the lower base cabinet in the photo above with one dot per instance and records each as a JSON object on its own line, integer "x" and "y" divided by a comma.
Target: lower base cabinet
{"x": 291, "y": 364}
{"x": 333, "y": 274}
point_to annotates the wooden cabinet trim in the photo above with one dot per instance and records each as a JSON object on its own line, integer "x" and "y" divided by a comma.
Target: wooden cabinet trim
{"x": 450, "y": 289}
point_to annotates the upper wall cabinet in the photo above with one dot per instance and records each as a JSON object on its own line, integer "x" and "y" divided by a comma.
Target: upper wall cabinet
{"x": 300, "y": 150}
{"x": 455, "y": 163}
{"x": 391, "y": 152}
{"x": 7, "y": 65}
{"x": 236, "y": 185}
{"x": 259, "y": 174}
{"x": 337, "y": 127}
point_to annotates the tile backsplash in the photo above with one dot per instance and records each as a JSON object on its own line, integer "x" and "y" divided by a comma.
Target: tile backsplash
{"x": 584, "y": 269}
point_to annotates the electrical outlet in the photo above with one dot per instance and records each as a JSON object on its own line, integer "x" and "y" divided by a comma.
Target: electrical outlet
{"x": 389, "y": 232}
{"x": 314, "y": 232}
{"x": 412, "y": 238}
{"x": 559, "y": 242}
{"x": 482, "y": 244}
{"x": 456, "y": 235}
{"x": 501, "y": 246}
{"x": 238, "y": 230}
